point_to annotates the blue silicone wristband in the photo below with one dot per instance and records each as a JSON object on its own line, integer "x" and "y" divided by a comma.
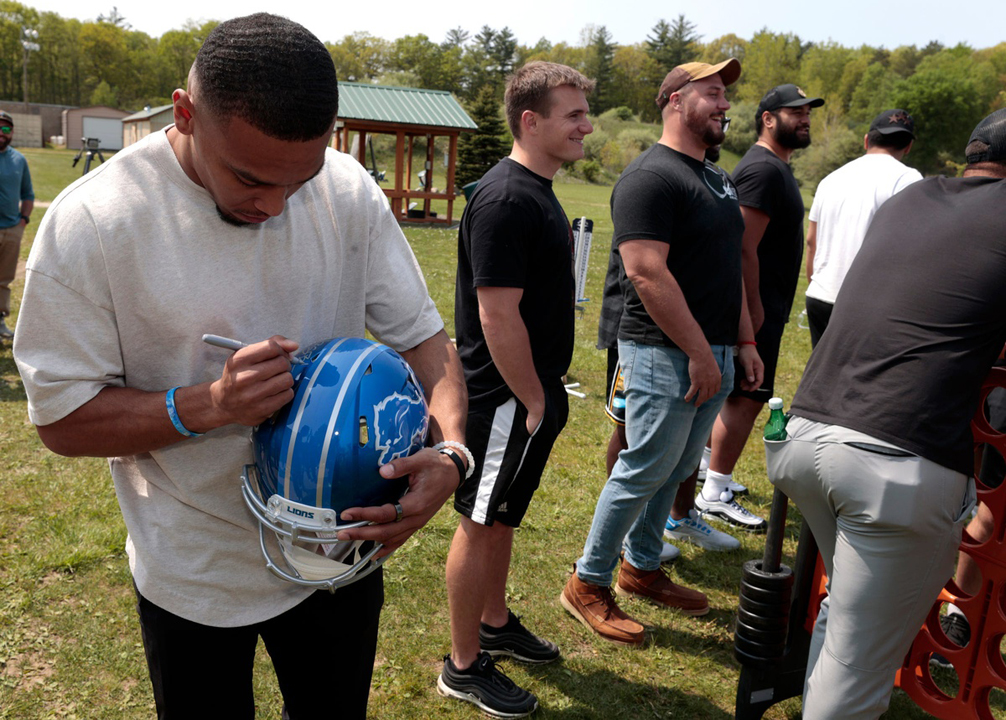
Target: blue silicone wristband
{"x": 169, "y": 400}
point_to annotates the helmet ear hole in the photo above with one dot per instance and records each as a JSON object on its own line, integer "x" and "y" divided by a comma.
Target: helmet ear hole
{"x": 364, "y": 432}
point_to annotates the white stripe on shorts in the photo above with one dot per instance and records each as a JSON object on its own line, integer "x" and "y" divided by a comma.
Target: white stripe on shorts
{"x": 499, "y": 435}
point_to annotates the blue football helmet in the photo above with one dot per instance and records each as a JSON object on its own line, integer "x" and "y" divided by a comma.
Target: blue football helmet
{"x": 357, "y": 405}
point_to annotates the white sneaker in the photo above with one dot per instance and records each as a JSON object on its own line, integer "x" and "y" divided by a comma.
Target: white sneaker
{"x": 695, "y": 530}
{"x": 731, "y": 511}
{"x": 668, "y": 553}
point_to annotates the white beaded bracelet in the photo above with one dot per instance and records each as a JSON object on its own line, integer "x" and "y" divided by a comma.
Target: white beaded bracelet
{"x": 458, "y": 446}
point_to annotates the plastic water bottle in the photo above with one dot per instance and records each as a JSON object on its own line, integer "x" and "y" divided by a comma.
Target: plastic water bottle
{"x": 775, "y": 428}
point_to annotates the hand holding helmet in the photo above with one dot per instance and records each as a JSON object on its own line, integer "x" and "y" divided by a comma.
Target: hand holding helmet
{"x": 357, "y": 405}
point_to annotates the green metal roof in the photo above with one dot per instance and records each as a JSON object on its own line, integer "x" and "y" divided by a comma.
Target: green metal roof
{"x": 410, "y": 106}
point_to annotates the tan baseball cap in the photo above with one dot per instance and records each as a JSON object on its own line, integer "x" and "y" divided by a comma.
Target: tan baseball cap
{"x": 729, "y": 70}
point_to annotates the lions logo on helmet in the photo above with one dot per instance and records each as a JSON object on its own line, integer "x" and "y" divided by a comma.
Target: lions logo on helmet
{"x": 357, "y": 405}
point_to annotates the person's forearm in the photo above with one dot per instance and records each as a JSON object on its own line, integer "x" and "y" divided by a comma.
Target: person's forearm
{"x": 510, "y": 348}
{"x": 125, "y": 421}
{"x": 811, "y": 248}
{"x": 745, "y": 330}
{"x": 666, "y": 305}
{"x": 26, "y": 207}
{"x": 436, "y": 364}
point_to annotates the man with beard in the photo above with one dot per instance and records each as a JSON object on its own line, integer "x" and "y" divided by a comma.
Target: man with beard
{"x": 132, "y": 264}
{"x": 16, "y": 202}
{"x": 773, "y": 249}
{"x": 678, "y": 232}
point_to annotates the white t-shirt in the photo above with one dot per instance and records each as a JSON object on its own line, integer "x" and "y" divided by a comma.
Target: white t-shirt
{"x": 130, "y": 267}
{"x": 843, "y": 208}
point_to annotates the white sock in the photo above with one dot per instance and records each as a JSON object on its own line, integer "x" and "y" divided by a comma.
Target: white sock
{"x": 716, "y": 484}
{"x": 954, "y": 610}
{"x": 707, "y": 453}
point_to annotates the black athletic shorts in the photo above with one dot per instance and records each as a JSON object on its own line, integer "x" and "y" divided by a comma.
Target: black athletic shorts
{"x": 614, "y": 408}
{"x": 508, "y": 461}
{"x": 818, "y": 315}
{"x": 769, "y": 338}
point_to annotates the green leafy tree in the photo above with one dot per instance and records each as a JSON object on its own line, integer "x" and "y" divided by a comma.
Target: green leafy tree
{"x": 360, "y": 57}
{"x": 771, "y": 59}
{"x": 635, "y": 79}
{"x": 948, "y": 94}
{"x": 479, "y": 151}
{"x": 723, "y": 47}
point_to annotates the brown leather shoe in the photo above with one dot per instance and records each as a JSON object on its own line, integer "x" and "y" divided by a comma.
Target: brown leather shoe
{"x": 596, "y": 608}
{"x": 658, "y": 588}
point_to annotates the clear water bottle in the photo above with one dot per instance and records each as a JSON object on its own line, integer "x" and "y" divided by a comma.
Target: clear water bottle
{"x": 775, "y": 428}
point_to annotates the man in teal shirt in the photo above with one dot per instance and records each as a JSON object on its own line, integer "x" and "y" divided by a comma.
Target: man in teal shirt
{"x": 16, "y": 202}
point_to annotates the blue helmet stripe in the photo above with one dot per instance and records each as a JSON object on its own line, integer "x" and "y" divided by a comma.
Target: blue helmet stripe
{"x": 291, "y": 444}
{"x": 349, "y": 382}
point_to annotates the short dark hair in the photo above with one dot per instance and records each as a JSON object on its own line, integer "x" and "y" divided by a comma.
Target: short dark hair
{"x": 270, "y": 72}
{"x": 890, "y": 141}
{"x": 529, "y": 88}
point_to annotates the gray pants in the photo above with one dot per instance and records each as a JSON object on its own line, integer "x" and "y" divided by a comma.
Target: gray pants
{"x": 888, "y": 529}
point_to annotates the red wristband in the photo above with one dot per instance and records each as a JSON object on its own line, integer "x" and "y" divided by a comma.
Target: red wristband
{"x": 747, "y": 342}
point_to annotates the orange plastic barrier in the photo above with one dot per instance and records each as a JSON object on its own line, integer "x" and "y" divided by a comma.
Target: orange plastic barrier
{"x": 980, "y": 666}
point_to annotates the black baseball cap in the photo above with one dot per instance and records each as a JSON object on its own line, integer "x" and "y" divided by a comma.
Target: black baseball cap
{"x": 988, "y": 140}
{"x": 6, "y": 118}
{"x": 786, "y": 96}
{"x": 893, "y": 121}
{"x": 729, "y": 70}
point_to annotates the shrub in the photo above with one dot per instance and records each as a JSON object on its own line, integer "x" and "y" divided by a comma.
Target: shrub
{"x": 593, "y": 143}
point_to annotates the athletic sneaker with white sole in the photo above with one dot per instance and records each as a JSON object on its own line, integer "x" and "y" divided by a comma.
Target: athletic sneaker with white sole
{"x": 729, "y": 510}
{"x": 695, "y": 530}
{"x": 486, "y": 687}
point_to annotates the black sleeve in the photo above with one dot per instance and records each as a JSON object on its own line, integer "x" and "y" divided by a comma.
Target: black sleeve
{"x": 759, "y": 186}
{"x": 500, "y": 234}
{"x": 640, "y": 209}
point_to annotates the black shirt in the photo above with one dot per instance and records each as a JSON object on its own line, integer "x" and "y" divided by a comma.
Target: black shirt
{"x": 764, "y": 182}
{"x": 514, "y": 234}
{"x": 918, "y": 322}
{"x": 668, "y": 196}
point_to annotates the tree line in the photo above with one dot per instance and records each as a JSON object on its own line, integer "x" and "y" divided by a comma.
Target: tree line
{"x": 947, "y": 90}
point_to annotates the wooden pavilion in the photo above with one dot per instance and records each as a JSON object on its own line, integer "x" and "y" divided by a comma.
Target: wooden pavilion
{"x": 406, "y": 113}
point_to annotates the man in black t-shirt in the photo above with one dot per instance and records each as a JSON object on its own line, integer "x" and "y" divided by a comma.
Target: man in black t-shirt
{"x": 773, "y": 249}
{"x": 879, "y": 458}
{"x": 678, "y": 231}
{"x": 513, "y": 311}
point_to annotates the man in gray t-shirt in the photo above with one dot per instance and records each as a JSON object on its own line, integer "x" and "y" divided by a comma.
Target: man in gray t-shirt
{"x": 237, "y": 220}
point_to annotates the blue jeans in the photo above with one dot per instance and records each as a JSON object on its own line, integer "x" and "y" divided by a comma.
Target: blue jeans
{"x": 665, "y": 436}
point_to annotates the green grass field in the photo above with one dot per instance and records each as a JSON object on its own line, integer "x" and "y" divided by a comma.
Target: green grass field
{"x": 69, "y": 639}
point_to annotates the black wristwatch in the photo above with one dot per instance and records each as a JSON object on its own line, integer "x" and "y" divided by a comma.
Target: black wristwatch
{"x": 26, "y": 218}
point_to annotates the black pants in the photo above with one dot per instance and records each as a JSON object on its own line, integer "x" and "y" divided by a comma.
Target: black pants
{"x": 818, "y": 315}
{"x": 322, "y": 650}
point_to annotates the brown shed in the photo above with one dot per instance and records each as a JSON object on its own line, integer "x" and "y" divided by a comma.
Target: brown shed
{"x": 137, "y": 126}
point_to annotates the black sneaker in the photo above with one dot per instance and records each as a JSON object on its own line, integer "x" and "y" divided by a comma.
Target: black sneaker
{"x": 955, "y": 626}
{"x": 486, "y": 687}
{"x": 516, "y": 641}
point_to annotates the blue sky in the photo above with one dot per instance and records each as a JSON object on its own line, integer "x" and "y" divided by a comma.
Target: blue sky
{"x": 850, "y": 23}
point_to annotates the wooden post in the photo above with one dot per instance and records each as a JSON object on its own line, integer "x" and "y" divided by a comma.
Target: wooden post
{"x": 429, "y": 175}
{"x": 452, "y": 160}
